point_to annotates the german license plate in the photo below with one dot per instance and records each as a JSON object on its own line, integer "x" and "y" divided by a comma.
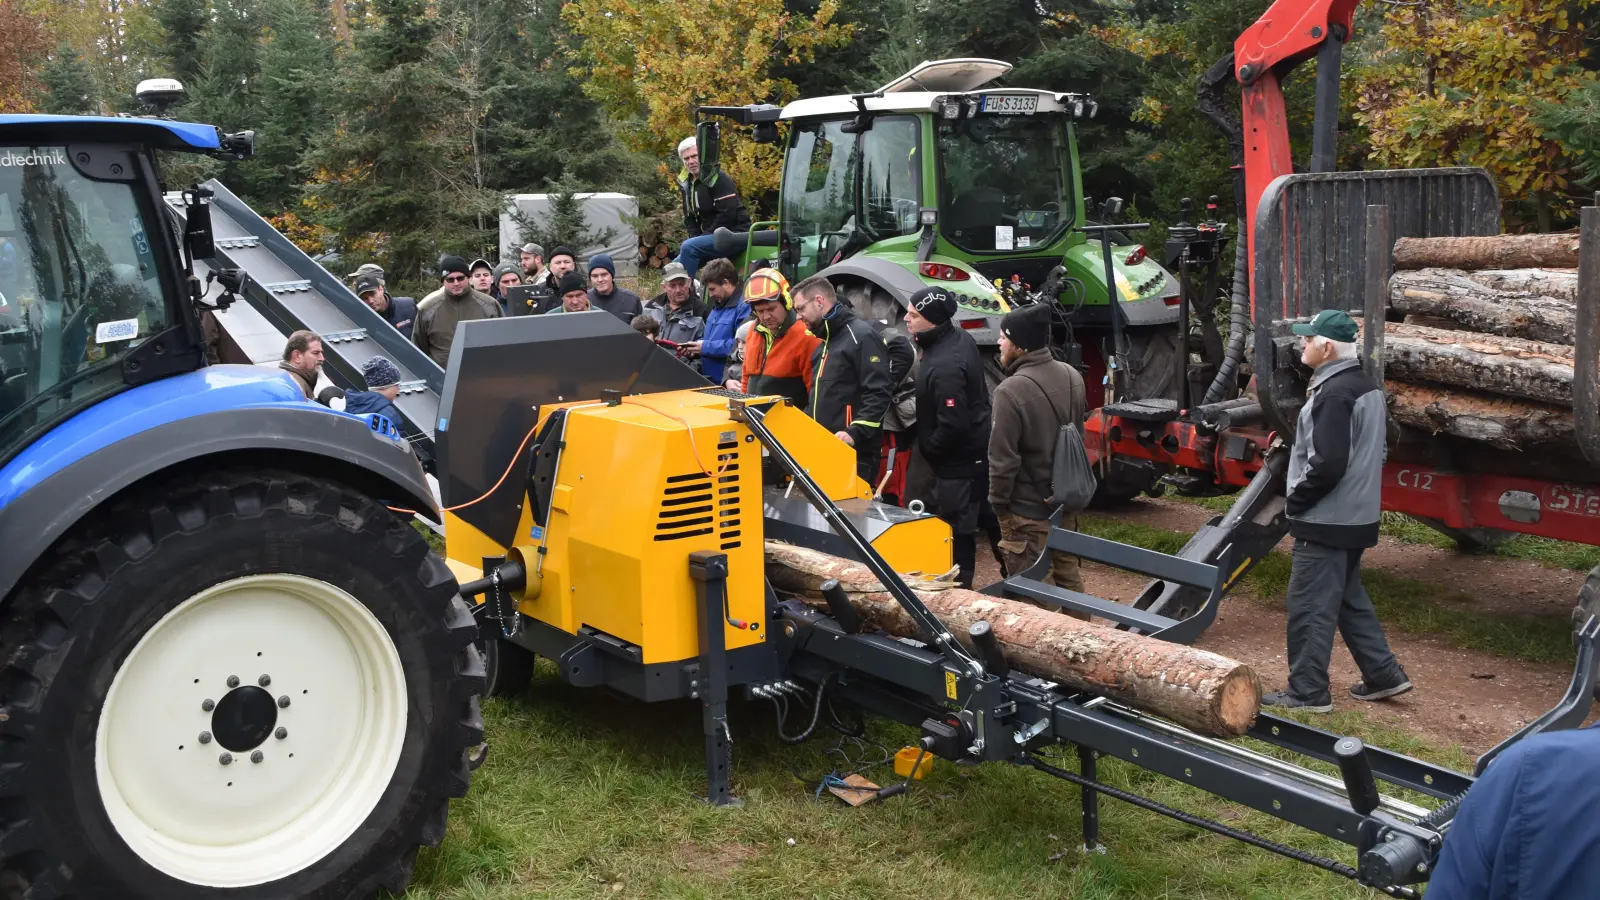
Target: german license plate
{"x": 1011, "y": 104}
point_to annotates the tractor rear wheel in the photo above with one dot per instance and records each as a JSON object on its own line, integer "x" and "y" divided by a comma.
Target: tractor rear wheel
{"x": 236, "y": 684}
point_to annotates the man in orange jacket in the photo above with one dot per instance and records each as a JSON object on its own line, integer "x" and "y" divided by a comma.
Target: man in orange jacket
{"x": 777, "y": 351}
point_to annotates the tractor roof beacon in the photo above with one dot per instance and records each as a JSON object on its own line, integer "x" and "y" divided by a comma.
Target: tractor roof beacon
{"x": 227, "y": 667}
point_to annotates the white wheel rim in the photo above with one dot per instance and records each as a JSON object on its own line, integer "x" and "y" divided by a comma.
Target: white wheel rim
{"x": 186, "y": 813}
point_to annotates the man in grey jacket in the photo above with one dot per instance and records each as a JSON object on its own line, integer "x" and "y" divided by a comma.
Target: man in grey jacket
{"x": 1334, "y": 497}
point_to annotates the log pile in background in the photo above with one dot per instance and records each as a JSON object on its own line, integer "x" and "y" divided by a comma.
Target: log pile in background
{"x": 1486, "y": 349}
{"x": 1197, "y": 689}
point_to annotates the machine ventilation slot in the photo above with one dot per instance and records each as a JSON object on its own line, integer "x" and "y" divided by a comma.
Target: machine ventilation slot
{"x": 686, "y": 508}
{"x": 728, "y": 502}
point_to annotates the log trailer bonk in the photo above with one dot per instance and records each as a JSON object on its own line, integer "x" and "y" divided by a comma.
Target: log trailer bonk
{"x": 611, "y": 513}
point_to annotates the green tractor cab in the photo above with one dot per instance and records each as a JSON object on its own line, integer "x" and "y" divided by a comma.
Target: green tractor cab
{"x": 936, "y": 179}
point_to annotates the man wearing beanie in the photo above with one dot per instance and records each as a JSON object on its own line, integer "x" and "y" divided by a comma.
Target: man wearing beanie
{"x": 454, "y": 302}
{"x": 1038, "y": 396}
{"x": 574, "y": 294}
{"x": 952, "y": 420}
{"x": 383, "y": 386}
{"x": 604, "y": 293}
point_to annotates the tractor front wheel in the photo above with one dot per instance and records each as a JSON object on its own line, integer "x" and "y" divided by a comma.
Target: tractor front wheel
{"x": 240, "y": 684}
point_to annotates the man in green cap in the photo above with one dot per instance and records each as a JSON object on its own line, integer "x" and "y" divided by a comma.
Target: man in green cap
{"x": 1334, "y": 494}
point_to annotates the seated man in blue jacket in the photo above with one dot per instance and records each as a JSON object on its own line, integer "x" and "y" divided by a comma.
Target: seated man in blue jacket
{"x": 383, "y": 386}
{"x": 1527, "y": 828}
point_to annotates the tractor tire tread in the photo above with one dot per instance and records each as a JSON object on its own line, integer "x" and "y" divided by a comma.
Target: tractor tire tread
{"x": 37, "y": 634}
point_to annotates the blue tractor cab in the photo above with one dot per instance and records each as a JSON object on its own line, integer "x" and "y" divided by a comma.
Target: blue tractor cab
{"x": 229, "y": 665}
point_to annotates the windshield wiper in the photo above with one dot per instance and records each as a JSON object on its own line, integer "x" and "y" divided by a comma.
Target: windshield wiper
{"x": 48, "y": 393}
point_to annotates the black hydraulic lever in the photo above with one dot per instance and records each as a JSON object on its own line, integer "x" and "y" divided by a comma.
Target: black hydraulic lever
{"x": 989, "y": 648}
{"x": 839, "y": 605}
{"x": 753, "y": 415}
{"x": 1356, "y": 770}
{"x": 1117, "y": 377}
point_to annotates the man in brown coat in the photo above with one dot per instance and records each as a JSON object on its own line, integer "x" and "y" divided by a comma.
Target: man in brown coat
{"x": 434, "y": 329}
{"x": 302, "y": 359}
{"x": 1036, "y": 398}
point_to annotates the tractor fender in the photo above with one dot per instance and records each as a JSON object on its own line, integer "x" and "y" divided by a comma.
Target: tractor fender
{"x": 222, "y": 415}
{"x": 890, "y": 276}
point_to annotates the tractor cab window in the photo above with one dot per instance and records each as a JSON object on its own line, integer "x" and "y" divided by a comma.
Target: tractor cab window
{"x": 830, "y": 210}
{"x": 1003, "y": 185}
{"x": 79, "y": 288}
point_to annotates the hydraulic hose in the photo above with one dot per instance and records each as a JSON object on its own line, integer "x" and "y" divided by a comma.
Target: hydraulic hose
{"x": 1238, "y": 320}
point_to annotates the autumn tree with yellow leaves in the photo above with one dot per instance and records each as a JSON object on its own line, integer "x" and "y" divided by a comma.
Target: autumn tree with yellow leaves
{"x": 655, "y": 62}
{"x": 1462, "y": 83}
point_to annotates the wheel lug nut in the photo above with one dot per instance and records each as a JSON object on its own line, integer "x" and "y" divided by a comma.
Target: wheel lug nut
{"x": 281, "y": 733}
{"x": 205, "y": 737}
{"x": 283, "y": 702}
{"x": 264, "y": 680}
{"x": 233, "y": 681}
{"x": 257, "y": 756}
{"x": 208, "y": 705}
{"x": 226, "y": 759}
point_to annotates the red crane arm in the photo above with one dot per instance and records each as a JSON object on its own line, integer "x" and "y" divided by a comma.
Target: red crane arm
{"x": 1287, "y": 34}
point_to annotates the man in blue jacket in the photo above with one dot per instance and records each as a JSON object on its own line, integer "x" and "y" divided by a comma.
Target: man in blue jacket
{"x": 383, "y": 386}
{"x": 1334, "y": 494}
{"x": 1527, "y": 828}
{"x": 728, "y": 309}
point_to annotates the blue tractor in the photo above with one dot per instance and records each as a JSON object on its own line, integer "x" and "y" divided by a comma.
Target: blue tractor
{"x": 229, "y": 664}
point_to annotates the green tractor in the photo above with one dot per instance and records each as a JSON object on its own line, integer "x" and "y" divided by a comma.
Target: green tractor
{"x": 934, "y": 179}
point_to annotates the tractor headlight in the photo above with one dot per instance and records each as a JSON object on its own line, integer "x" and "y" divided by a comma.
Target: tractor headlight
{"x": 950, "y": 109}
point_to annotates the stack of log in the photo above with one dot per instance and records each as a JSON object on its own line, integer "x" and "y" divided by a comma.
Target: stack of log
{"x": 654, "y": 251}
{"x": 1485, "y": 351}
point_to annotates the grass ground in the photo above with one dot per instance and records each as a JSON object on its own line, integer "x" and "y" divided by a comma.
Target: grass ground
{"x": 586, "y": 795}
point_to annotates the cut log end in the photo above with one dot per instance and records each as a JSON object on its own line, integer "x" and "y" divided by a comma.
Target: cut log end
{"x": 1238, "y": 701}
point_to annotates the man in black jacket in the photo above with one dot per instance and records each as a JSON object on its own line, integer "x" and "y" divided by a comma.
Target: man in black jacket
{"x": 952, "y": 419}
{"x": 710, "y": 201}
{"x": 397, "y": 311}
{"x": 850, "y": 372}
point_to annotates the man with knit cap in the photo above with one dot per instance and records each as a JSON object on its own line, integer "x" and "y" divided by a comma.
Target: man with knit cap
{"x": 574, "y": 294}
{"x": 605, "y": 294}
{"x": 383, "y": 387}
{"x": 454, "y": 302}
{"x": 1038, "y": 396}
{"x": 952, "y": 420}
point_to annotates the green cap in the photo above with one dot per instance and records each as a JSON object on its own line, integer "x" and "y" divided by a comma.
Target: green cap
{"x": 1333, "y": 324}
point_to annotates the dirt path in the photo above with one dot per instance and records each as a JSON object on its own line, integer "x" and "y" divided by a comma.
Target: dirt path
{"x": 1455, "y": 700}
{"x": 1495, "y": 584}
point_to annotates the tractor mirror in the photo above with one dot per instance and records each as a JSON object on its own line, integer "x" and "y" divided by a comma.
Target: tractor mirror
{"x": 708, "y": 138}
{"x": 197, "y": 234}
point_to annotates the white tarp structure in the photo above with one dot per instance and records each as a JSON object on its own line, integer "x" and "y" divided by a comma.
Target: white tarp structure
{"x": 601, "y": 212}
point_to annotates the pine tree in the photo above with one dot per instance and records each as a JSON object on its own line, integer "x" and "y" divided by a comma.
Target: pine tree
{"x": 182, "y": 23}
{"x": 379, "y": 171}
{"x": 69, "y": 85}
{"x": 292, "y": 98}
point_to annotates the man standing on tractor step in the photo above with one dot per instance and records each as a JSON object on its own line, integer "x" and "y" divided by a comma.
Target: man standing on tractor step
{"x": 778, "y": 350}
{"x": 456, "y": 301}
{"x": 1037, "y": 397}
{"x": 302, "y": 359}
{"x": 1334, "y": 496}
{"x": 710, "y": 201}
{"x": 952, "y": 419}
{"x": 850, "y": 387}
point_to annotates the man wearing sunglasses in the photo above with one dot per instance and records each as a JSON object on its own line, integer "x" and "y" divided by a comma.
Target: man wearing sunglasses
{"x": 455, "y": 301}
